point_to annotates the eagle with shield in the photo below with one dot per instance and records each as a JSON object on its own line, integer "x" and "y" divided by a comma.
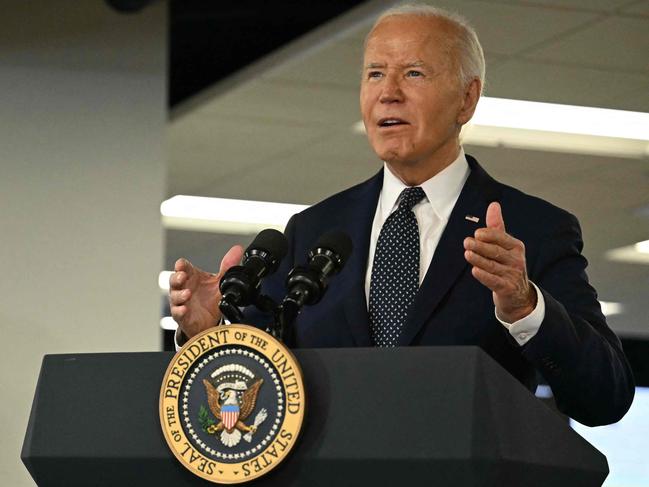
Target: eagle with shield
{"x": 232, "y": 403}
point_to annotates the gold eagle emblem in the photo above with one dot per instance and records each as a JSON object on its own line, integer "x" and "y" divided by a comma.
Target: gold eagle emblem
{"x": 233, "y": 424}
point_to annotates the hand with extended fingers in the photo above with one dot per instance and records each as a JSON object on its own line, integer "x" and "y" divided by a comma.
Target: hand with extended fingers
{"x": 194, "y": 294}
{"x": 498, "y": 261}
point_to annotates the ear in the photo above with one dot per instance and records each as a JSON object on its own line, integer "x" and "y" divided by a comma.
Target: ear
{"x": 470, "y": 99}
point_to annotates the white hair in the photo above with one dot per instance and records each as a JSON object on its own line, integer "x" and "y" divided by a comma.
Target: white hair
{"x": 471, "y": 63}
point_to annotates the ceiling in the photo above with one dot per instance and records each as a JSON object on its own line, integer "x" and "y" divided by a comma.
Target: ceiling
{"x": 279, "y": 129}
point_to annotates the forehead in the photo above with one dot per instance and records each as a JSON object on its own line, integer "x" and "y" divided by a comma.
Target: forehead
{"x": 404, "y": 36}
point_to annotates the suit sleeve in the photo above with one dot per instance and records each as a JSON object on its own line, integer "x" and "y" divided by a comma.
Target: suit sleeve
{"x": 575, "y": 350}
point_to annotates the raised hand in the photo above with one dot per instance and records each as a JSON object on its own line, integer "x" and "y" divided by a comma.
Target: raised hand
{"x": 194, "y": 294}
{"x": 498, "y": 261}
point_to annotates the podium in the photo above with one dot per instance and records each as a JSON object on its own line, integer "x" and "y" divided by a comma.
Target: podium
{"x": 442, "y": 416}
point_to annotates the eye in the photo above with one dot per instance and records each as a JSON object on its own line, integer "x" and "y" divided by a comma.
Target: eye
{"x": 374, "y": 74}
{"x": 413, "y": 73}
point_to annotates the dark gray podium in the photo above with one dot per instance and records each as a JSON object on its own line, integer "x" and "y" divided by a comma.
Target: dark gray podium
{"x": 418, "y": 416}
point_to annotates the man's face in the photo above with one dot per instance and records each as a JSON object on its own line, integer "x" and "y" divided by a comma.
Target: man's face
{"x": 412, "y": 101}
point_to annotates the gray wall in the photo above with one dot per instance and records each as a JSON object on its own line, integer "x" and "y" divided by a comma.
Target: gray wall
{"x": 82, "y": 173}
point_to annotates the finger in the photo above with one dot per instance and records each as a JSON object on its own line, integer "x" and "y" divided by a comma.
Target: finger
{"x": 491, "y": 281}
{"x": 495, "y": 216}
{"x": 231, "y": 258}
{"x": 183, "y": 265}
{"x": 489, "y": 251}
{"x": 489, "y": 265}
{"x": 177, "y": 280}
{"x": 497, "y": 237}
{"x": 178, "y": 313}
{"x": 178, "y": 298}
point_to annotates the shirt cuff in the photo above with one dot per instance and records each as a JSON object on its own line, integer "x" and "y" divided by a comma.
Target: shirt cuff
{"x": 179, "y": 339}
{"x": 524, "y": 329}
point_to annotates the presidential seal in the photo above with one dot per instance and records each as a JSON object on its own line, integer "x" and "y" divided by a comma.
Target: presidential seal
{"x": 232, "y": 404}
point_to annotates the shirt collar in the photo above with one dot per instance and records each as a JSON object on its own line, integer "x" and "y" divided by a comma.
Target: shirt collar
{"x": 442, "y": 190}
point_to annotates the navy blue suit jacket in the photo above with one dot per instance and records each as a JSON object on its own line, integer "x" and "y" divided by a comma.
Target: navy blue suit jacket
{"x": 574, "y": 349}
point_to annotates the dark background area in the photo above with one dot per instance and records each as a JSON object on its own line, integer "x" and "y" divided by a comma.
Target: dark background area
{"x": 208, "y": 41}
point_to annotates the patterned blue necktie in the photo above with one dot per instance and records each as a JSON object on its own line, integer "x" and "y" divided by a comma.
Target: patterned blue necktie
{"x": 395, "y": 271}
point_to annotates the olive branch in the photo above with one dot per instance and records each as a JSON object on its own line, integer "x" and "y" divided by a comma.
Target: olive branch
{"x": 204, "y": 419}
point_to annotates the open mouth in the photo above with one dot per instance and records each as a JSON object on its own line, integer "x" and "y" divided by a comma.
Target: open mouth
{"x": 391, "y": 122}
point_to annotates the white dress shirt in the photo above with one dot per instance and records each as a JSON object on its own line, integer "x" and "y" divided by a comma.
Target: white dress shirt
{"x": 432, "y": 214}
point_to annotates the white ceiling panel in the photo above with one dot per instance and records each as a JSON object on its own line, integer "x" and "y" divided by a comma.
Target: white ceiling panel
{"x": 511, "y": 29}
{"x": 615, "y": 43}
{"x": 204, "y": 150}
{"x": 332, "y": 65}
{"x": 589, "y": 5}
{"x": 624, "y": 184}
{"x": 288, "y": 101}
{"x": 640, "y": 8}
{"x": 635, "y": 101}
{"x": 559, "y": 83}
{"x": 507, "y": 28}
{"x": 533, "y": 171}
{"x": 307, "y": 174}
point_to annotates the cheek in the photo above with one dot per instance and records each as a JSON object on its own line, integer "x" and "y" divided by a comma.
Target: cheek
{"x": 365, "y": 102}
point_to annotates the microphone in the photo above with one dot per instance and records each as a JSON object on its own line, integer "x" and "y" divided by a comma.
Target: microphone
{"x": 240, "y": 284}
{"x": 307, "y": 284}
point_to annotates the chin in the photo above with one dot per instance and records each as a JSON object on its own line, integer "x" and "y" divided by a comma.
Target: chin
{"x": 395, "y": 156}
{"x": 392, "y": 153}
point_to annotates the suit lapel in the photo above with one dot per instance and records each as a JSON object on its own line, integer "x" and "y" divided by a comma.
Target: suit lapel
{"x": 448, "y": 261}
{"x": 359, "y": 215}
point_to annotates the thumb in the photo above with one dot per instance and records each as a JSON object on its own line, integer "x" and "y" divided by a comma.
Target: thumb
{"x": 495, "y": 217}
{"x": 231, "y": 258}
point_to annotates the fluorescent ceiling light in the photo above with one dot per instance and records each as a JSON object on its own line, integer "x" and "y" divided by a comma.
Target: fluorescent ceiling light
{"x": 168, "y": 323}
{"x": 163, "y": 280}
{"x": 567, "y": 119}
{"x": 225, "y": 215}
{"x": 554, "y": 127}
{"x": 553, "y": 141}
{"x": 610, "y": 308}
{"x": 633, "y": 254}
{"x": 642, "y": 247}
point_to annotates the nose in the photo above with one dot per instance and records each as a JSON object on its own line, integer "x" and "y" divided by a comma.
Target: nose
{"x": 391, "y": 89}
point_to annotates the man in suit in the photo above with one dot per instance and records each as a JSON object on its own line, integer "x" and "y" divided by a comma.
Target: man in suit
{"x": 492, "y": 266}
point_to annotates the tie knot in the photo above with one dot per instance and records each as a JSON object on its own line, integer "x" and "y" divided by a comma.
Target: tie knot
{"x": 410, "y": 197}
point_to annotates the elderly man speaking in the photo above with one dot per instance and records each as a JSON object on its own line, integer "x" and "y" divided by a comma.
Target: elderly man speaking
{"x": 443, "y": 253}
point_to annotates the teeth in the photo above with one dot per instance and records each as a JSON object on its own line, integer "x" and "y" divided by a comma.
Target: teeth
{"x": 391, "y": 122}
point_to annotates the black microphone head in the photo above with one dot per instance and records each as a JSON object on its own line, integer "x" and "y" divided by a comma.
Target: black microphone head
{"x": 271, "y": 241}
{"x": 337, "y": 242}
{"x": 271, "y": 247}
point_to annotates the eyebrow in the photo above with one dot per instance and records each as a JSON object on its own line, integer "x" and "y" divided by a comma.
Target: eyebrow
{"x": 414, "y": 64}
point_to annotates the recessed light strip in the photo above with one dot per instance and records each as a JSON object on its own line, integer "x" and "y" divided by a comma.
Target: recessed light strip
{"x": 225, "y": 215}
{"x": 637, "y": 253}
{"x": 168, "y": 323}
{"x": 642, "y": 247}
{"x": 163, "y": 281}
{"x": 610, "y": 308}
{"x": 567, "y": 119}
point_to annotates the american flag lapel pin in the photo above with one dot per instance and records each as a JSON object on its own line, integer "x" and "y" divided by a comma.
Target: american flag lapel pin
{"x": 472, "y": 218}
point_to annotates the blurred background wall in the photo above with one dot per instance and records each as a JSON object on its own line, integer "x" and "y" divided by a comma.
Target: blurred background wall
{"x": 82, "y": 173}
